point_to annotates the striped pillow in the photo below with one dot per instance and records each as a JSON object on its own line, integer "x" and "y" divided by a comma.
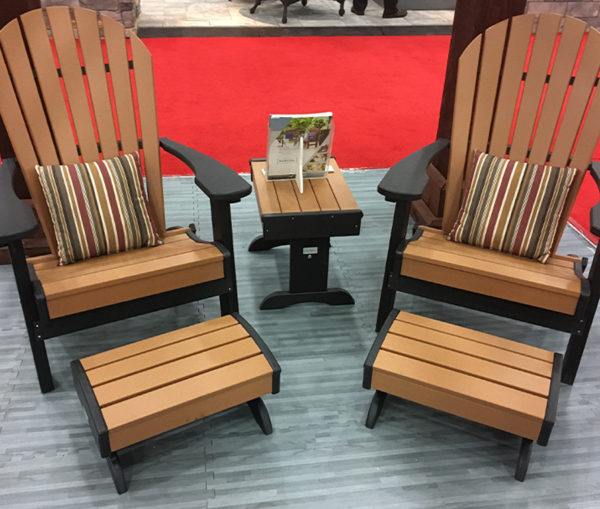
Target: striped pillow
{"x": 512, "y": 206}
{"x": 98, "y": 208}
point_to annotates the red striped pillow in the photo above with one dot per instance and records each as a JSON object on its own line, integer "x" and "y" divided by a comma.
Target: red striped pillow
{"x": 512, "y": 206}
{"x": 98, "y": 208}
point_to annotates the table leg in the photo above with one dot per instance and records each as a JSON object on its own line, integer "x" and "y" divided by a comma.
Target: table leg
{"x": 261, "y": 244}
{"x": 309, "y": 265}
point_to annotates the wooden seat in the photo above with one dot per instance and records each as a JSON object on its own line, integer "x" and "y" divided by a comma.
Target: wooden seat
{"x": 77, "y": 88}
{"x": 554, "y": 285}
{"x": 526, "y": 90}
{"x": 486, "y": 379}
{"x": 140, "y": 390}
{"x": 107, "y": 280}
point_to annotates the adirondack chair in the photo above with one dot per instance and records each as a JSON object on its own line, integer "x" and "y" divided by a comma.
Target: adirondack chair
{"x": 526, "y": 89}
{"x": 99, "y": 115}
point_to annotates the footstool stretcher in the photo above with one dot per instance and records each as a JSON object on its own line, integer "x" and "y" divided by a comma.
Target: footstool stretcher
{"x": 490, "y": 380}
{"x": 140, "y": 390}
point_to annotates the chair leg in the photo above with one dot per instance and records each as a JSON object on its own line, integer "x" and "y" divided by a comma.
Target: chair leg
{"x": 229, "y": 303}
{"x": 573, "y": 355}
{"x": 42, "y": 366}
{"x": 523, "y": 461}
{"x": 386, "y": 303}
{"x": 116, "y": 472}
{"x": 375, "y": 409}
{"x": 261, "y": 415}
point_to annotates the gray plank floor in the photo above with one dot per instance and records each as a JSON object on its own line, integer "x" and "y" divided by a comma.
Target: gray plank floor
{"x": 320, "y": 453}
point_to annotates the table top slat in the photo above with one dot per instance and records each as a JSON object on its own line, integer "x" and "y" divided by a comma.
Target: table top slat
{"x": 266, "y": 196}
{"x": 324, "y": 194}
{"x": 307, "y": 200}
{"x": 342, "y": 192}
{"x": 286, "y": 196}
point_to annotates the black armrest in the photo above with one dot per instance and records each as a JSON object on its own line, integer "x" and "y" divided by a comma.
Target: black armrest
{"x": 406, "y": 180}
{"x": 17, "y": 220}
{"x": 218, "y": 181}
{"x": 595, "y": 210}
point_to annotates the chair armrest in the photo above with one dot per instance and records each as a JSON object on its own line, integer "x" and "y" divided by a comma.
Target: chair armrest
{"x": 17, "y": 219}
{"x": 595, "y": 210}
{"x": 406, "y": 180}
{"x": 219, "y": 182}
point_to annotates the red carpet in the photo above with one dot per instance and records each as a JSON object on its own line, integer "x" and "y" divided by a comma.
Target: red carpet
{"x": 215, "y": 94}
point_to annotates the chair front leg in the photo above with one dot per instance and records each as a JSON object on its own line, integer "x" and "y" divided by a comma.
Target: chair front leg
{"x": 397, "y": 235}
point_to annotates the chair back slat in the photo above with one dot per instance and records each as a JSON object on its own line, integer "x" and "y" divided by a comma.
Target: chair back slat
{"x": 537, "y": 70}
{"x": 562, "y": 69}
{"x": 547, "y": 109}
{"x": 66, "y": 98}
{"x": 15, "y": 53}
{"x": 461, "y": 129}
{"x": 93, "y": 61}
{"x": 118, "y": 62}
{"x": 491, "y": 61}
{"x": 144, "y": 84}
{"x": 49, "y": 83}
{"x": 72, "y": 78}
{"x": 510, "y": 85}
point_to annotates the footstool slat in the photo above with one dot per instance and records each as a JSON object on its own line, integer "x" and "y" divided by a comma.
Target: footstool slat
{"x": 140, "y": 390}
{"x": 123, "y": 352}
{"x": 480, "y": 377}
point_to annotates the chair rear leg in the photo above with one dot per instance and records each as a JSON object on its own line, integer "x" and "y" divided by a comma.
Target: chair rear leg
{"x": 229, "y": 303}
{"x": 523, "y": 461}
{"x": 573, "y": 354}
{"x": 386, "y": 303}
{"x": 375, "y": 409}
{"x": 42, "y": 366}
{"x": 261, "y": 415}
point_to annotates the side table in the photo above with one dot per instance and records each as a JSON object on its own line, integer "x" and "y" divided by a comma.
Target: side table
{"x": 305, "y": 221}
{"x": 287, "y": 3}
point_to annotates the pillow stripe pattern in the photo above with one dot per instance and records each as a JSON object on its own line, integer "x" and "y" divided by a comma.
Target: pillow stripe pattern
{"x": 512, "y": 206}
{"x": 98, "y": 208}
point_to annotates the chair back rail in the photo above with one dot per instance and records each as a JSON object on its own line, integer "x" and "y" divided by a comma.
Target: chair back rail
{"x": 526, "y": 89}
{"x": 69, "y": 95}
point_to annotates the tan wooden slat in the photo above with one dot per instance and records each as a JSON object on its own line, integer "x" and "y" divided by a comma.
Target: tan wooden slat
{"x": 562, "y": 69}
{"x": 491, "y": 60}
{"x": 459, "y": 277}
{"x": 266, "y": 196}
{"x": 500, "y": 259}
{"x": 70, "y": 66}
{"x": 455, "y": 393}
{"x": 480, "y": 337}
{"x": 116, "y": 50}
{"x": 166, "y": 408}
{"x": 499, "y": 353}
{"x": 467, "y": 364}
{"x": 512, "y": 73}
{"x": 324, "y": 194}
{"x": 342, "y": 192}
{"x": 145, "y": 345}
{"x": 117, "y": 261}
{"x": 307, "y": 200}
{"x": 93, "y": 59}
{"x": 286, "y": 196}
{"x": 587, "y": 74}
{"x": 129, "y": 273}
{"x": 17, "y": 60}
{"x": 537, "y": 70}
{"x": 122, "y": 291}
{"x": 40, "y": 50}
{"x": 588, "y": 139}
{"x": 461, "y": 123}
{"x": 146, "y": 100}
{"x": 160, "y": 376}
{"x": 160, "y": 356}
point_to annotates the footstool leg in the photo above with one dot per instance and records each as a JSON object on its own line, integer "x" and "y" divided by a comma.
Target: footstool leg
{"x": 261, "y": 415}
{"x": 375, "y": 409}
{"x": 523, "y": 461}
{"x": 116, "y": 471}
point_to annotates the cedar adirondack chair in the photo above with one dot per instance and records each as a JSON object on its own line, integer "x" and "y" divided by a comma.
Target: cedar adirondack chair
{"x": 103, "y": 107}
{"x": 512, "y": 84}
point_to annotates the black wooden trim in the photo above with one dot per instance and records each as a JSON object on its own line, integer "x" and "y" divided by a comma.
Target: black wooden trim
{"x": 263, "y": 348}
{"x": 302, "y": 225}
{"x": 368, "y": 366}
{"x": 91, "y": 407}
{"x": 552, "y": 403}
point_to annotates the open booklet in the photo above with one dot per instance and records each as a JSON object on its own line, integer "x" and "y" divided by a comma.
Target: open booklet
{"x": 299, "y": 147}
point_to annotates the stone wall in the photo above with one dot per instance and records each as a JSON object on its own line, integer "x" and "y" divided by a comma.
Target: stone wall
{"x": 124, "y": 11}
{"x": 587, "y": 10}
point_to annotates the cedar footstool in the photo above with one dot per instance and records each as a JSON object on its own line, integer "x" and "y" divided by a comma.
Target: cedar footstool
{"x": 140, "y": 390}
{"x": 490, "y": 380}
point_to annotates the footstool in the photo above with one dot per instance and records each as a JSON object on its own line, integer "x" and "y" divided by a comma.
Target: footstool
{"x": 140, "y": 390}
{"x": 490, "y": 380}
